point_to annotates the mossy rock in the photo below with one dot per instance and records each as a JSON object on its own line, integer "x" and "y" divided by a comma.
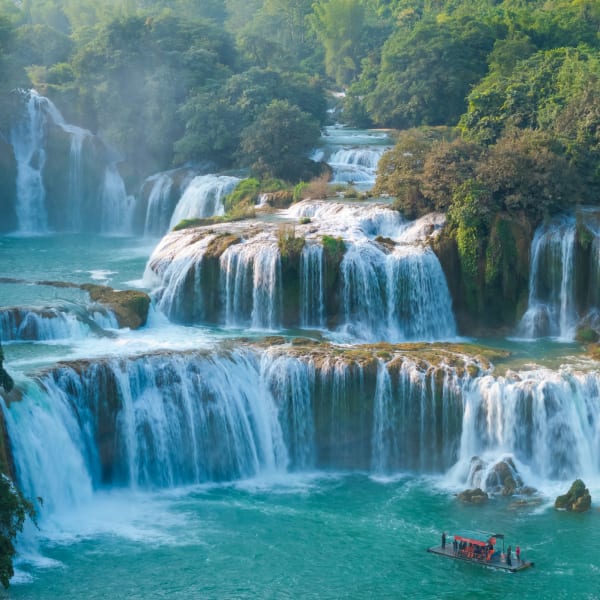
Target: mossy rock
{"x": 280, "y": 199}
{"x": 577, "y": 499}
{"x": 218, "y": 245}
{"x": 474, "y": 496}
{"x": 130, "y": 306}
{"x": 587, "y": 335}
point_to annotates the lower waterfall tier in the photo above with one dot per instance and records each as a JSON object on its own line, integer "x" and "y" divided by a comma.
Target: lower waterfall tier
{"x": 168, "y": 419}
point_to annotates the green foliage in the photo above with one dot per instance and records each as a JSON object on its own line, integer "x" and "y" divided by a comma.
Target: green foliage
{"x": 469, "y": 216}
{"x": 400, "y": 170}
{"x": 299, "y": 189}
{"x": 426, "y": 74}
{"x": 334, "y": 249}
{"x": 216, "y": 119}
{"x": 14, "y": 510}
{"x": 152, "y": 64}
{"x": 340, "y": 25}
{"x": 245, "y": 193}
{"x": 526, "y": 171}
{"x": 290, "y": 246}
{"x": 586, "y": 335}
{"x": 278, "y": 142}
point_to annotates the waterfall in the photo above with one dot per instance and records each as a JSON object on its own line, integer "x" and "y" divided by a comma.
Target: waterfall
{"x": 546, "y": 420}
{"x": 355, "y": 165}
{"x": 149, "y": 422}
{"x": 116, "y": 206}
{"x": 22, "y": 324}
{"x": 52, "y": 457}
{"x": 169, "y": 419}
{"x": 352, "y": 154}
{"x": 312, "y": 300}
{"x": 551, "y": 309}
{"x": 78, "y": 198}
{"x": 251, "y": 285}
{"x": 395, "y": 297}
{"x": 28, "y": 141}
{"x": 75, "y": 185}
{"x": 291, "y": 383}
{"x": 158, "y": 212}
{"x": 351, "y": 220}
{"x": 417, "y": 418}
{"x": 419, "y": 304}
{"x": 179, "y": 295}
{"x": 203, "y": 197}
{"x": 385, "y": 449}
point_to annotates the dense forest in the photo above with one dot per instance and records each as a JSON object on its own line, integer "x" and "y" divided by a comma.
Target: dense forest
{"x": 496, "y": 103}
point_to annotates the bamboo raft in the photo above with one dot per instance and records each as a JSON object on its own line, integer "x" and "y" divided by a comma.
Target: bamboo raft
{"x": 480, "y": 553}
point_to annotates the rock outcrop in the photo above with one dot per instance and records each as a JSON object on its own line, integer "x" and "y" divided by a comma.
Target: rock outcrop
{"x": 577, "y": 499}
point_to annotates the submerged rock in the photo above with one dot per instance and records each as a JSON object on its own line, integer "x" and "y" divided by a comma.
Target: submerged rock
{"x": 577, "y": 499}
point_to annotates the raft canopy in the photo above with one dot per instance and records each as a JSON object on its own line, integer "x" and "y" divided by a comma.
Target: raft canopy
{"x": 480, "y": 540}
{"x": 468, "y": 540}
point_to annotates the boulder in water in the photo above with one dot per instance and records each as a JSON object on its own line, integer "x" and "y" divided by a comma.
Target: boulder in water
{"x": 474, "y": 496}
{"x": 577, "y": 499}
{"x": 501, "y": 477}
{"x": 130, "y": 306}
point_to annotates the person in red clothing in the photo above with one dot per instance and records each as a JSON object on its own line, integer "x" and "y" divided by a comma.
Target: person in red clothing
{"x": 518, "y": 553}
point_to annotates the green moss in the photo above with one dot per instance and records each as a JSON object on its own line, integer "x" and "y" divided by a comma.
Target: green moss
{"x": 577, "y": 499}
{"x": 130, "y": 306}
{"x": 239, "y": 213}
{"x": 245, "y": 193}
{"x": 586, "y": 335}
{"x": 334, "y": 248}
{"x": 290, "y": 246}
{"x": 219, "y": 244}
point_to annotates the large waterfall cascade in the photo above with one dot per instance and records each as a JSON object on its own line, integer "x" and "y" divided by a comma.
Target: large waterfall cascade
{"x": 106, "y": 209}
{"x": 188, "y": 402}
{"x": 163, "y": 420}
{"x": 388, "y": 291}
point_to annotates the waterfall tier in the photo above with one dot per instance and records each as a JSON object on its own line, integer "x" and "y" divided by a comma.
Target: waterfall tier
{"x": 66, "y": 180}
{"x": 353, "y": 155}
{"x": 53, "y": 323}
{"x": 163, "y": 420}
{"x": 358, "y": 269}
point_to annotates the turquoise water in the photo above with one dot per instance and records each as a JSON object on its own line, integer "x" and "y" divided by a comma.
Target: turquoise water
{"x": 112, "y": 261}
{"x": 297, "y": 536}
{"x": 321, "y": 536}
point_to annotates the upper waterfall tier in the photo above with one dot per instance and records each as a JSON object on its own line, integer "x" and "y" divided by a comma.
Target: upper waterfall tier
{"x": 238, "y": 411}
{"x": 358, "y": 269}
{"x": 353, "y": 154}
{"x": 65, "y": 179}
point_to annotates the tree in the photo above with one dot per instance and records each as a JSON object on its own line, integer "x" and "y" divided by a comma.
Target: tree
{"x": 426, "y": 75}
{"x": 278, "y": 142}
{"x": 448, "y": 165}
{"x": 339, "y": 26}
{"x": 14, "y": 509}
{"x": 400, "y": 170}
{"x": 526, "y": 171}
